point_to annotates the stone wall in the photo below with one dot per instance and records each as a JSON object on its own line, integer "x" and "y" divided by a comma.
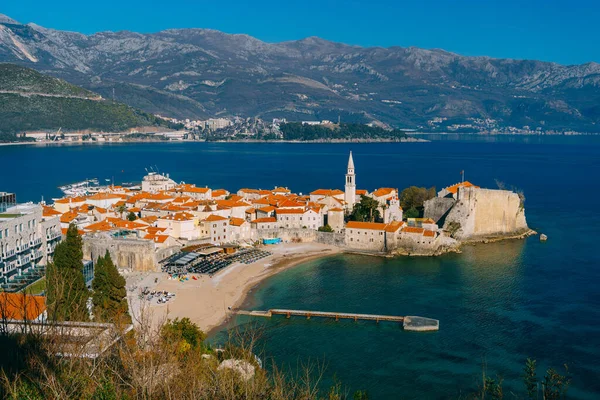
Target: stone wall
{"x": 437, "y": 209}
{"x": 132, "y": 254}
{"x": 331, "y": 238}
{"x": 484, "y": 213}
{"x": 304, "y": 235}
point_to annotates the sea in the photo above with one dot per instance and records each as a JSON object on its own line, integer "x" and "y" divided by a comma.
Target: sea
{"x": 498, "y": 303}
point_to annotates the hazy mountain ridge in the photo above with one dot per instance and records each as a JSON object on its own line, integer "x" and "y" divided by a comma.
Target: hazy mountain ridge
{"x": 214, "y": 73}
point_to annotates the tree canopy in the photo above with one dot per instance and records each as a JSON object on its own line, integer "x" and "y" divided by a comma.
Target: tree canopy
{"x": 366, "y": 210}
{"x": 110, "y": 295}
{"x": 412, "y": 199}
{"x": 67, "y": 293}
{"x": 299, "y": 131}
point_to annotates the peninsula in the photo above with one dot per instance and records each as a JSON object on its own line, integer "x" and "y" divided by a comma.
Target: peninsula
{"x": 228, "y": 242}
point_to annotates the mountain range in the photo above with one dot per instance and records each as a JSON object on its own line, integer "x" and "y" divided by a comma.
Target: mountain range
{"x": 200, "y": 73}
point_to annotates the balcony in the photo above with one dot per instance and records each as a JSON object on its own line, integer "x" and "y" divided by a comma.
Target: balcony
{"x": 50, "y": 250}
{"x": 23, "y": 260}
{"x": 36, "y": 242}
{"x": 10, "y": 266}
{"x": 53, "y": 235}
{"x": 9, "y": 253}
{"x": 37, "y": 254}
{"x": 23, "y": 248}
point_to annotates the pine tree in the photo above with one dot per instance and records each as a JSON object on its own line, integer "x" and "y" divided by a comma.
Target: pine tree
{"x": 67, "y": 294}
{"x": 110, "y": 294}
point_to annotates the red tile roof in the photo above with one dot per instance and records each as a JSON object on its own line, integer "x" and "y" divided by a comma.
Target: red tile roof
{"x": 383, "y": 192}
{"x": 454, "y": 188}
{"x": 290, "y": 211}
{"x": 213, "y": 217}
{"x": 236, "y": 221}
{"x": 19, "y": 306}
{"x": 366, "y": 225}
{"x": 264, "y": 220}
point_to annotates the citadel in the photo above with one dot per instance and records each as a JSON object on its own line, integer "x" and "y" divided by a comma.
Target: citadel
{"x": 141, "y": 226}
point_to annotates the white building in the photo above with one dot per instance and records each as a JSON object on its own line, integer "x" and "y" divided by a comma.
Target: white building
{"x": 27, "y": 240}
{"x": 154, "y": 182}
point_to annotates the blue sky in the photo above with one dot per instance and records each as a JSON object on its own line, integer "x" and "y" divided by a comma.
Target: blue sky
{"x": 567, "y": 32}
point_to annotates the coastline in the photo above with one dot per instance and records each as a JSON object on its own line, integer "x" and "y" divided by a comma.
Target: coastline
{"x": 336, "y": 141}
{"x": 206, "y": 300}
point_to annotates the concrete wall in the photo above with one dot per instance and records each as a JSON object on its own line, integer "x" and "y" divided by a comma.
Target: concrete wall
{"x": 132, "y": 254}
{"x": 486, "y": 213}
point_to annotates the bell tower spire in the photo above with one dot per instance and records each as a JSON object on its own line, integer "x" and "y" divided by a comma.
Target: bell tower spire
{"x": 350, "y": 188}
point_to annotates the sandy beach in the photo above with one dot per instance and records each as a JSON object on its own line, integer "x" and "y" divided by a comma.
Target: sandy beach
{"x": 206, "y": 300}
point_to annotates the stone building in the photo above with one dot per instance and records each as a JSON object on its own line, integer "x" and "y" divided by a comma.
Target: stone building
{"x": 335, "y": 219}
{"x": 368, "y": 236}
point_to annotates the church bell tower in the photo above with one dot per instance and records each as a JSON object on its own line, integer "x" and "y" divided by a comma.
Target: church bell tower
{"x": 350, "y": 188}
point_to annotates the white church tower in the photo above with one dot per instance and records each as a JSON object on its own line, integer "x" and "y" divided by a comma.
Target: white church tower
{"x": 350, "y": 188}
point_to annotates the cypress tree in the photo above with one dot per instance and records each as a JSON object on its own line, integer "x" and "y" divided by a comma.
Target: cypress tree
{"x": 67, "y": 294}
{"x": 110, "y": 293}
{"x": 99, "y": 285}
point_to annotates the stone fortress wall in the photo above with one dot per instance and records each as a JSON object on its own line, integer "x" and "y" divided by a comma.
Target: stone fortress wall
{"x": 131, "y": 254}
{"x": 479, "y": 214}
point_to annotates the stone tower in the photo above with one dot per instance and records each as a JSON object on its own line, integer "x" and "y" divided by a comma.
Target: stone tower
{"x": 350, "y": 188}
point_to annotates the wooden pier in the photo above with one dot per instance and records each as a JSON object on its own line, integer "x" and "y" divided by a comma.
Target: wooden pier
{"x": 411, "y": 323}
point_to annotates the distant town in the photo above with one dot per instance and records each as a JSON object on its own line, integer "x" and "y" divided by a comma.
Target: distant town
{"x": 256, "y": 129}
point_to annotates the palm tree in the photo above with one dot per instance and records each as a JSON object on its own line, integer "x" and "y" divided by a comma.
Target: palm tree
{"x": 121, "y": 209}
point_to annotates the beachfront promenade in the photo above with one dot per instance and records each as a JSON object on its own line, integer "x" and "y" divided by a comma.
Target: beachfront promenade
{"x": 409, "y": 323}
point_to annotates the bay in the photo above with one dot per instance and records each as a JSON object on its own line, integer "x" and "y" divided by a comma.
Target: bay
{"x": 497, "y": 303}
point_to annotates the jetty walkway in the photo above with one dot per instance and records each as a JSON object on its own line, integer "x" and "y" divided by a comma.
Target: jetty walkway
{"x": 409, "y": 323}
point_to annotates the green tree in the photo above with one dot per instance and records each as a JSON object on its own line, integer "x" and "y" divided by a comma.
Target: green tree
{"x": 325, "y": 228}
{"x": 183, "y": 330}
{"x": 530, "y": 378}
{"x": 121, "y": 209}
{"x": 110, "y": 295}
{"x": 67, "y": 293}
{"x": 366, "y": 210}
{"x": 131, "y": 216}
{"x": 411, "y": 213}
{"x": 414, "y": 197}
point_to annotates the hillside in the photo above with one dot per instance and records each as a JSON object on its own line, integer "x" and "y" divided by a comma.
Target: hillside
{"x": 301, "y": 132}
{"x": 30, "y": 100}
{"x": 194, "y": 73}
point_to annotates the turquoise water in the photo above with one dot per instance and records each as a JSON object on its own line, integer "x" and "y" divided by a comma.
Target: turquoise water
{"x": 497, "y": 303}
